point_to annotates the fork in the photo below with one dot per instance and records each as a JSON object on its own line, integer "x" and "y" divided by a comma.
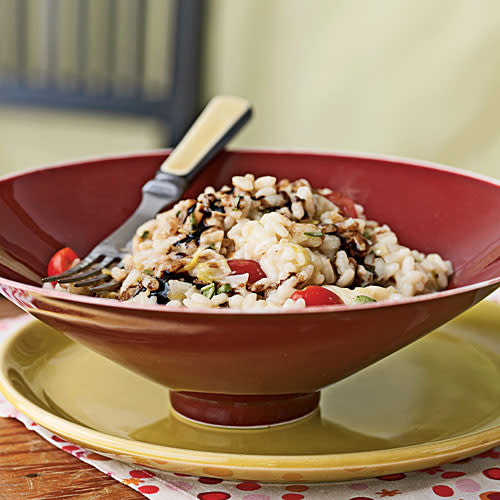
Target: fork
{"x": 221, "y": 119}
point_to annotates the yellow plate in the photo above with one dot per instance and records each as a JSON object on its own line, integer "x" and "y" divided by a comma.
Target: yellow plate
{"x": 433, "y": 402}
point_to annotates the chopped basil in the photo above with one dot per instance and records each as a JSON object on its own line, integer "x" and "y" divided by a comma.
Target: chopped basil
{"x": 224, "y": 289}
{"x": 145, "y": 235}
{"x": 364, "y": 299}
{"x": 317, "y": 234}
{"x": 148, "y": 272}
{"x": 208, "y": 291}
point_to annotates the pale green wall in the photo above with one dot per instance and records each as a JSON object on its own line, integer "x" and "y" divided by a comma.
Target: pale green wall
{"x": 405, "y": 77}
{"x": 417, "y": 78}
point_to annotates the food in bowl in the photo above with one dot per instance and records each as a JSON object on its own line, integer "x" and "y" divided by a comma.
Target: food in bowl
{"x": 266, "y": 243}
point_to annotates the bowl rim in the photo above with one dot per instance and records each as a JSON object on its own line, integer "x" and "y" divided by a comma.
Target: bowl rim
{"x": 103, "y": 302}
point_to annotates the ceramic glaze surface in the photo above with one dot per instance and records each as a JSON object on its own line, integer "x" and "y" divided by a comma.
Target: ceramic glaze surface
{"x": 93, "y": 197}
{"x": 432, "y": 402}
{"x": 431, "y": 208}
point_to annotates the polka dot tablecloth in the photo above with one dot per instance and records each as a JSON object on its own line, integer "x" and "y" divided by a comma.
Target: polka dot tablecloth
{"x": 476, "y": 478}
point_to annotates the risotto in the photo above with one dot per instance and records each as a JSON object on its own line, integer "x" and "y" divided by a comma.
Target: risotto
{"x": 265, "y": 243}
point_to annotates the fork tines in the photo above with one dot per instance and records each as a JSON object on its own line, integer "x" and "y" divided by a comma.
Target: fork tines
{"x": 88, "y": 273}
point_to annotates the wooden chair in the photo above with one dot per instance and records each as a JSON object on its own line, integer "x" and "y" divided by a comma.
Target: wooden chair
{"x": 106, "y": 56}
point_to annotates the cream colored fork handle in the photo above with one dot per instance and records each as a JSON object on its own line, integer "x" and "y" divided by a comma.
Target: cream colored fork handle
{"x": 219, "y": 121}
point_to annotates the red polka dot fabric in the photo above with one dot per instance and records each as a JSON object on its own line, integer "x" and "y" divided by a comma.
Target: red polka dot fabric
{"x": 476, "y": 478}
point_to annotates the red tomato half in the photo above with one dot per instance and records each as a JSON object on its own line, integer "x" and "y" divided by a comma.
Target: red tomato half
{"x": 61, "y": 261}
{"x": 344, "y": 202}
{"x": 242, "y": 266}
{"x": 317, "y": 296}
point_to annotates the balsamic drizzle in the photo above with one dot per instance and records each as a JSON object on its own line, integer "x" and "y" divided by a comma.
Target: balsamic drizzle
{"x": 197, "y": 230}
{"x": 161, "y": 293}
{"x": 216, "y": 208}
{"x": 191, "y": 209}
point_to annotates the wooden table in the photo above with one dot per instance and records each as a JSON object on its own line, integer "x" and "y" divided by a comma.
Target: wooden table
{"x": 32, "y": 468}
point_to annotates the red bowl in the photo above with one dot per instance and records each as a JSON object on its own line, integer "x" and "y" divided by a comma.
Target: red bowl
{"x": 235, "y": 368}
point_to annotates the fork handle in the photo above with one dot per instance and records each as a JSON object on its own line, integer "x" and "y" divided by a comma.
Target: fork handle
{"x": 213, "y": 129}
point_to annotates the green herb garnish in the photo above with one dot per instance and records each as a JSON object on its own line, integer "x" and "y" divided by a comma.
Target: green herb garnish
{"x": 148, "y": 272}
{"x": 208, "y": 291}
{"x": 145, "y": 235}
{"x": 224, "y": 289}
{"x": 317, "y": 234}
{"x": 364, "y": 299}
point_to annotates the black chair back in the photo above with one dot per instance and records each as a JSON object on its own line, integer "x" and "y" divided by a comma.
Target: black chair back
{"x": 104, "y": 55}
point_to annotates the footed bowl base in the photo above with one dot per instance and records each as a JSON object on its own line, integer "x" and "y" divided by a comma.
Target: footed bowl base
{"x": 243, "y": 410}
